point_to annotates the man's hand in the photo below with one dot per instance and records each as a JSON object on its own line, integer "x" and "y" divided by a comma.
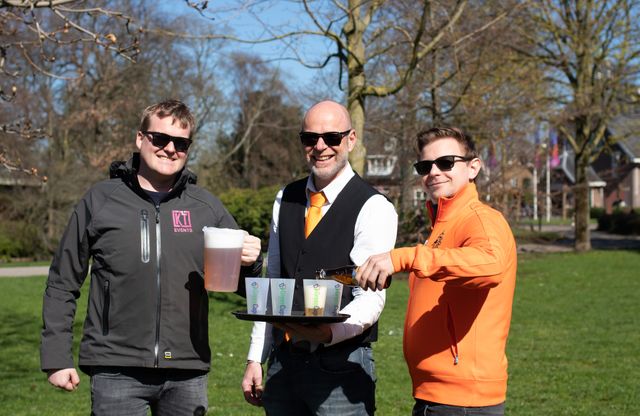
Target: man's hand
{"x": 66, "y": 378}
{"x": 375, "y": 271}
{"x": 314, "y": 333}
{"x": 251, "y": 249}
{"x": 252, "y": 383}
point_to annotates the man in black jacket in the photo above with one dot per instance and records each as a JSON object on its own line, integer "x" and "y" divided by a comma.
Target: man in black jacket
{"x": 145, "y": 339}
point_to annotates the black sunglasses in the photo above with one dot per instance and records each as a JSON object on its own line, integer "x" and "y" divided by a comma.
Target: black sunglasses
{"x": 331, "y": 138}
{"x": 444, "y": 163}
{"x": 160, "y": 140}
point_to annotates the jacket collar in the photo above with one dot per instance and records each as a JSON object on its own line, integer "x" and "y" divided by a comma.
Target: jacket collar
{"x": 448, "y": 207}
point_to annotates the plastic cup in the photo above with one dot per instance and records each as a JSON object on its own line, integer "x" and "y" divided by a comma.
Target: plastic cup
{"x": 282, "y": 295}
{"x": 334, "y": 297}
{"x": 315, "y": 295}
{"x": 257, "y": 294}
{"x": 222, "y": 256}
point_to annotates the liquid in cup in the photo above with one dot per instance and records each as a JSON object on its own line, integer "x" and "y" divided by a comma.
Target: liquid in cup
{"x": 315, "y": 294}
{"x": 222, "y": 256}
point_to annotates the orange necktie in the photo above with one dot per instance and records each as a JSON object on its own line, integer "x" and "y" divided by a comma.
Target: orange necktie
{"x": 314, "y": 213}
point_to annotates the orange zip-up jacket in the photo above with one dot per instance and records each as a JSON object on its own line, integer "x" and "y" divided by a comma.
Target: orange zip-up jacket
{"x": 459, "y": 311}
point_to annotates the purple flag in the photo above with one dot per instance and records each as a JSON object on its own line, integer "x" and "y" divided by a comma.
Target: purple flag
{"x": 553, "y": 148}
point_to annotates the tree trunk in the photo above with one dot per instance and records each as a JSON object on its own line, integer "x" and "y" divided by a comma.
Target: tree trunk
{"x": 358, "y": 155}
{"x": 581, "y": 193}
{"x": 354, "y": 30}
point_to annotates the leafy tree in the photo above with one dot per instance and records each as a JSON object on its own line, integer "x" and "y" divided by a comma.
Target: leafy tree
{"x": 37, "y": 37}
{"x": 77, "y": 125}
{"x": 261, "y": 148}
{"x": 591, "y": 55}
{"x": 475, "y": 83}
{"x": 376, "y": 45}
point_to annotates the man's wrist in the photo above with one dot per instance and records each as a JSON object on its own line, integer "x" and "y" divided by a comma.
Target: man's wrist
{"x": 252, "y": 361}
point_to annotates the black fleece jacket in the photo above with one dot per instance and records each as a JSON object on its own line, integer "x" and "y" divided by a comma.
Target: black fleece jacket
{"x": 147, "y": 304}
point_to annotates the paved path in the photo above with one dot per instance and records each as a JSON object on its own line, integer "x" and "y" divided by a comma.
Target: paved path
{"x": 599, "y": 241}
{"x": 24, "y": 271}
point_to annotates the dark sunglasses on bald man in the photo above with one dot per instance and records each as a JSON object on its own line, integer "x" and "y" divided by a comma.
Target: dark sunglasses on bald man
{"x": 444, "y": 163}
{"x": 181, "y": 144}
{"x": 331, "y": 138}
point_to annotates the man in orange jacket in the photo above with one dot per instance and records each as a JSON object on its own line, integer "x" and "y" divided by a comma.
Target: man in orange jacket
{"x": 461, "y": 286}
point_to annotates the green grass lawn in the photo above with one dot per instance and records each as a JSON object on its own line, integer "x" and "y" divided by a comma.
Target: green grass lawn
{"x": 572, "y": 349}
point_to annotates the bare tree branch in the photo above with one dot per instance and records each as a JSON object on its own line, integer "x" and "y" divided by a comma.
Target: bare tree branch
{"x": 34, "y": 3}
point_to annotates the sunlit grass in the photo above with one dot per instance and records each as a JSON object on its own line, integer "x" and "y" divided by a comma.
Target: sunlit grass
{"x": 572, "y": 349}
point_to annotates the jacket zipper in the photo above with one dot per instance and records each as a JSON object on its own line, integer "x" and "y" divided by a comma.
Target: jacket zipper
{"x": 452, "y": 334}
{"x": 105, "y": 309}
{"x": 144, "y": 236}
{"x": 158, "y": 251}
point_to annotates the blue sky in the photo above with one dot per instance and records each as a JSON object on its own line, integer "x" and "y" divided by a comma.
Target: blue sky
{"x": 281, "y": 15}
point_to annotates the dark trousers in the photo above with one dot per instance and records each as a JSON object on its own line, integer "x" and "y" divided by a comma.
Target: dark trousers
{"x": 133, "y": 391}
{"x": 424, "y": 408}
{"x": 326, "y": 382}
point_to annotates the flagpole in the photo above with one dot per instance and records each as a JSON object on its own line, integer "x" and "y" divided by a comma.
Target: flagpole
{"x": 548, "y": 190}
{"x": 535, "y": 192}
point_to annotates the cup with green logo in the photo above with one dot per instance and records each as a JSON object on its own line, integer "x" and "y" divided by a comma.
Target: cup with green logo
{"x": 257, "y": 295}
{"x": 282, "y": 295}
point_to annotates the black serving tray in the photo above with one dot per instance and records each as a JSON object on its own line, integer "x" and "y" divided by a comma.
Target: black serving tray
{"x": 295, "y": 317}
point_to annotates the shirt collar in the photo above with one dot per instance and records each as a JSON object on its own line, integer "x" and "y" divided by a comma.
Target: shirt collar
{"x": 332, "y": 190}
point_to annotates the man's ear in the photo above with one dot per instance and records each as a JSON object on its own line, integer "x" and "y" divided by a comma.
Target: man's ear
{"x": 474, "y": 168}
{"x": 139, "y": 139}
{"x": 351, "y": 139}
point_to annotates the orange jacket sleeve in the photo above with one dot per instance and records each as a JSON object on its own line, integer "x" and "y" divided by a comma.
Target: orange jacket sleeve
{"x": 477, "y": 257}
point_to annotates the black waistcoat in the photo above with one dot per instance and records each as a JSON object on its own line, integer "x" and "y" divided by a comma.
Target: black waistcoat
{"x": 328, "y": 245}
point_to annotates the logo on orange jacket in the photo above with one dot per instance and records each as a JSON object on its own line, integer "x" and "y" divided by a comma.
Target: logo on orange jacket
{"x": 438, "y": 241}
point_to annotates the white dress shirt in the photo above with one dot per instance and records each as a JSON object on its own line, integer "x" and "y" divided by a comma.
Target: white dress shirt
{"x": 375, "y": 232}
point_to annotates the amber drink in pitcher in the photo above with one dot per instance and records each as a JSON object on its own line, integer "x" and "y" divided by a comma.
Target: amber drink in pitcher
{"x": 222, "y": 256}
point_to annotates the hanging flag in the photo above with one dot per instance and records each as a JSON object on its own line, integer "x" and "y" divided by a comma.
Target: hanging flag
{"x": 553, "y": 148}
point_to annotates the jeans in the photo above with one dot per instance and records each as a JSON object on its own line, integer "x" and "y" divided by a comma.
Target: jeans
{"x": 424, "y": 408}
{"x": 117, "y": 391}
{"x": 339, "y": 380}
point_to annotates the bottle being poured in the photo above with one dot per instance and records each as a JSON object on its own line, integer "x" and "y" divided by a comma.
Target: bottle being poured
{"x": 345, "y": 275}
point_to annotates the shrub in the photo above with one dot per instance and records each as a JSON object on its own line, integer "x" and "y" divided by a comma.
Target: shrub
{"x": 604, "y": 222}
{"x": 596, "y": 213}
{"x": 413, "y": 226}
{"x": 19, "y": 239}
{"x": 620, "y": 222}
{"x": 252, "y": 209}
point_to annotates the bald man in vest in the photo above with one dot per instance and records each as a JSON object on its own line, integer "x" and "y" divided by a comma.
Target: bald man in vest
{"x": 322, "y": 369}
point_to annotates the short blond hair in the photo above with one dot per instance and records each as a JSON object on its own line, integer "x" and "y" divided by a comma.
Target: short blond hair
{"x": 173, "y": 108}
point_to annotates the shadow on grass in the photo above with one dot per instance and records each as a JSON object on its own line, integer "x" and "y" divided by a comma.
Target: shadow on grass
{"x": 222, "y": 303}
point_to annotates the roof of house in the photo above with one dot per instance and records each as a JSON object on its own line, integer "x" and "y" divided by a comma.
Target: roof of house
{"x": 568, "y": 167}
{"x": 625, "y": 130}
